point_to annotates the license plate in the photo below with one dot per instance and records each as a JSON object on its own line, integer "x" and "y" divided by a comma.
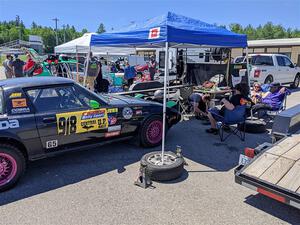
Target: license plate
{"x": 244, "y": 160}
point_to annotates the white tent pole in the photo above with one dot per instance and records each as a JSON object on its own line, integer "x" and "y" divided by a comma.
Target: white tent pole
{"x": 77, "y": 65}
{"x": 87, "y": 66}
{"x": 248, "y": 69}
{"x": 165, "y": 101}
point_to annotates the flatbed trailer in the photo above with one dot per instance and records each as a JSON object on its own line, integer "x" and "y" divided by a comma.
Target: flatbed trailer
{"x": 274, "y": 171}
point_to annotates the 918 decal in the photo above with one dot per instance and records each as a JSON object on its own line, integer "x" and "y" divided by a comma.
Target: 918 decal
{"x": 81, "y": 121}
{"x": 67, "y": 125}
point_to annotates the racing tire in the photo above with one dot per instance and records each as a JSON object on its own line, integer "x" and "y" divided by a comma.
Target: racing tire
{"x": 254, "y": 126}
{"x": 296, "y": 82}
{"x": 166, "y": 172}
{"x": 269, "y": 79}
{"x": 151, "y": 132}
{"x": 12, "y": 166}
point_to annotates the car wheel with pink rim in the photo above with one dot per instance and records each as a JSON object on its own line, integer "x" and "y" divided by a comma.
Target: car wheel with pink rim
{"x": 151, "y": 132}
{"x": 12, "y": 166}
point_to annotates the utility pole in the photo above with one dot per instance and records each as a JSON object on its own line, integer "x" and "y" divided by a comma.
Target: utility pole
{"x": 18, "y": 24}
{"x": 64, "y": 27}
{"x": 56, "y": 20}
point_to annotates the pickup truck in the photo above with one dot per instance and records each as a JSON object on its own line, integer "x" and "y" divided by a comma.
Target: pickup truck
{"x": 268, "y": 68}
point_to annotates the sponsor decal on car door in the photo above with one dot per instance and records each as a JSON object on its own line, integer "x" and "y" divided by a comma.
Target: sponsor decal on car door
{"x": 81, "y": 121}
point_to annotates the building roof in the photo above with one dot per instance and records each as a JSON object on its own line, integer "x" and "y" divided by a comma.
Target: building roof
{"x": 274, "y": 42}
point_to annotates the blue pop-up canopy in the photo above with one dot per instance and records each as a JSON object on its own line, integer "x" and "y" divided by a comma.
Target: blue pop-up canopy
{"x": 172, "y": 28}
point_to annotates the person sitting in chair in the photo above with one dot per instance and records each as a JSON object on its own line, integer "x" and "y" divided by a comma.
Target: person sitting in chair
{"x": 256, "y": 93}
{"x": 240, "y": 97}
{"x": 272, "y": 100}
{"x": 199, "y": 103}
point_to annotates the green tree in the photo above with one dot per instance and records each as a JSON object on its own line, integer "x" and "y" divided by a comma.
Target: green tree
{"x": 101, "y": 29}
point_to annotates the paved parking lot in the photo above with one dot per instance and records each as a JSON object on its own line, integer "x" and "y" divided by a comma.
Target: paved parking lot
{"x": 96, "y": 187}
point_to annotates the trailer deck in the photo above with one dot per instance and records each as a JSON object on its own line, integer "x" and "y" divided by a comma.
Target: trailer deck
{"x": 275, "y": 172}
{"x": 279, "y": 165}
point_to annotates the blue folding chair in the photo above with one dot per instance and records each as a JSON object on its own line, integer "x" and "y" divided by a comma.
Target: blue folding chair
{"x": 233, "y": 122}
{"x": 282, "y": 107}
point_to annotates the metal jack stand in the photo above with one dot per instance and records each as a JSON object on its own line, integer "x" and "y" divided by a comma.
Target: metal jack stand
{"x": 143, "y": 180}
{"x": 179, "y": 154}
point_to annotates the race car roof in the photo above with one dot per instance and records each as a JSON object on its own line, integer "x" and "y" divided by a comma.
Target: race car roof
{"x": 26, "y": 82}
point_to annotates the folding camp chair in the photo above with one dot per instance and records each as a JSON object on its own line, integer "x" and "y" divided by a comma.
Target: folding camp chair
{"x": 233, "y": 122}
{"x": 282, "y": 107}
{"x": 183, "y": 100}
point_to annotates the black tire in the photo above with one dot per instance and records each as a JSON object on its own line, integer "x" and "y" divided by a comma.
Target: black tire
{"x": 16, "y": 165}
{"x": 145, "y": 138}
{"x": 269, "y": 79}
{"x": 163, "y": 172}
{"x": 296, "y": 82}
{"x": 254, "y": 126}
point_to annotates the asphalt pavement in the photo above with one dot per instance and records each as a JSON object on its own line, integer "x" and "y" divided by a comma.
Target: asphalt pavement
{"x": 96, "y": 186}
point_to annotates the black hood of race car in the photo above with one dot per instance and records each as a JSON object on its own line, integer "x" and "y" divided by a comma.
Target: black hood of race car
{"x": 124, "y": 100}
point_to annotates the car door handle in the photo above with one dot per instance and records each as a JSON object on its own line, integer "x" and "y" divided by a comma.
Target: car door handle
{"x": 49, "y": 119}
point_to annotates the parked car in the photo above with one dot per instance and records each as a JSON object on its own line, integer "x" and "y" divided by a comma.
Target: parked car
{"x": 45, "y": 116}
{"x": 268, "y": 68}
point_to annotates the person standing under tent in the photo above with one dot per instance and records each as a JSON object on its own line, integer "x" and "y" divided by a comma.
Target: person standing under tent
{"x": 129, "y": 73}
{"x": 17, "y": 65}
{"x": 152, "y": 67}
{"x": 29, "y": 66}
{"x": 7, "y": 64}
{"x": 93, "y": 68}
{"x": 101, "y": 85}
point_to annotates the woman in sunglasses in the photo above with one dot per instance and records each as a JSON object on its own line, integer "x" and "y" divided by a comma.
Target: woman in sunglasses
{"x": 256, "y": 93}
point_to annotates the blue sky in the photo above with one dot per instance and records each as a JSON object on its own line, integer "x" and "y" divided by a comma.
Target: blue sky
{"x": 117, "y": 13}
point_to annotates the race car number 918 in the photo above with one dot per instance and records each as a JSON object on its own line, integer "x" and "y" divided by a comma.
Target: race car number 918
{"x": 81, "y": 121}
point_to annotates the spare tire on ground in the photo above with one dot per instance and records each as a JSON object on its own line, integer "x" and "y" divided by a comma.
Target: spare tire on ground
{"x": 254, "y": 126}
{"x": 172, "y": 168}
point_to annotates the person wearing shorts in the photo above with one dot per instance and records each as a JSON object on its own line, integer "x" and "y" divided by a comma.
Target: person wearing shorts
{"x": 240, "y": 97}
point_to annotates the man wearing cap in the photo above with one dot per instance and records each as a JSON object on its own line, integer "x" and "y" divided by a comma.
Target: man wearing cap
{"x": 7, "y": 64}
{"x": 272, "y": 100}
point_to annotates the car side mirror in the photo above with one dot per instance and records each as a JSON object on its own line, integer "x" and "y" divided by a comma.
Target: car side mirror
{"x": 295, "y": 64}
{"x": 94, "y": 104}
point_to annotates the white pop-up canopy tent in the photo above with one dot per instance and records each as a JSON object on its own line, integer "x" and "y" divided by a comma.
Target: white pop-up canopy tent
{"x": 82, "y": 45}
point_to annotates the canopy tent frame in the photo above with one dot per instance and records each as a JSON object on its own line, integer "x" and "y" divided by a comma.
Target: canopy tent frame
{"x": 194, "y": 32}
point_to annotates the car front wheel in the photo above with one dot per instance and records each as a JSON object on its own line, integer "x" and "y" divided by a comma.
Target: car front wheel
{"x": 151, "y": 132}
{"x": 12, "y": 166}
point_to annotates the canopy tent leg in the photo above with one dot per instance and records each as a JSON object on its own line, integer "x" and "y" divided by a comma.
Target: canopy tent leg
{"x": 248, "y": 69}
{"x": 86, "y": 66}
{"x": 227, "y": 69}
{"x": 77, "y": 66}
{"x": 165, "y": 100}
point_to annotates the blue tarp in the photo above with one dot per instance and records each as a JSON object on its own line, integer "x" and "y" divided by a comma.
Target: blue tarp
{"x": 175, "y": 29}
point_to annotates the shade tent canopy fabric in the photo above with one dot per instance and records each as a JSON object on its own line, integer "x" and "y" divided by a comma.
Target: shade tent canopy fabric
{"x": 83, "y": 45}
{"x": 178, "y": 31}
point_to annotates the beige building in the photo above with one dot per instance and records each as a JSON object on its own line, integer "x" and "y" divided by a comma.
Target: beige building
{"x": 288, "y": 46}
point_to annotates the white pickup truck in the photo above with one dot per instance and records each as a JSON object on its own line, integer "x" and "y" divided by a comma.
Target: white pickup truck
{"x": 268, "y": 68}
